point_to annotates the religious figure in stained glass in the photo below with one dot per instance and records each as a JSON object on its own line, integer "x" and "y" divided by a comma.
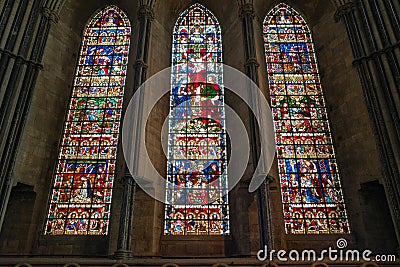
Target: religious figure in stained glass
{"x": 197, "y": 201}
{"x": 81, "y": 193}
{"x": 310, "y": 185}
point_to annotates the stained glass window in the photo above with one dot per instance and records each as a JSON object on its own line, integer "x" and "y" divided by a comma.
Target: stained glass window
{"x": 81, "y": 193}
{"x": 310, "y": 185}
{"x": 197, "y": 195}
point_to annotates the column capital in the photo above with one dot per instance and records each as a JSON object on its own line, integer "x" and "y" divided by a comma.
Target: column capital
{"x": 244, "y": 2}
{"x": 252, "y": 61}
{"x": 141, "y": 63}
{"x": 145, "y": 12}
{"x": 338, "y": 3}
{"x": 147, "y": 2}
{"x": 127, "y": 178}
{"x": 246, "y": 9}
{"x": 343, "y": 8}
{"x": 50, "y": 14}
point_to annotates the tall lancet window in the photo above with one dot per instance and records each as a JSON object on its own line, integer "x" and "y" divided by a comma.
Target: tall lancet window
{"x": 81, "y": 193}
{"x": 310, "y": 185}
{"x": 197, "y": 196}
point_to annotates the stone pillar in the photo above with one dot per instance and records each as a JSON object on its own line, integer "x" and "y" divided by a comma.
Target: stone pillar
{"x": 251, "y": 65}
{"x": 124, "y": 244}
{"x": 5, "y": 15}
{"x": 373, "y": 28}
{"x": 17, "y": 65}
{"x": 7, "y": 51}
{"x": 20, "y": 89}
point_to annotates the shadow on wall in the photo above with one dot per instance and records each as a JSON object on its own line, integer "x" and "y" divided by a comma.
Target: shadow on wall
{"x": 17, "y": 219}
{"x": 377, "y": 220}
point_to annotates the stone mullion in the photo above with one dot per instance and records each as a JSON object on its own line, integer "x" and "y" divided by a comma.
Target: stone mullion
{"x": 124, "y": 243}
{"x": 22, "y": 106}
{"x": 251, "y": 66}
{"x": 376, "y": 89}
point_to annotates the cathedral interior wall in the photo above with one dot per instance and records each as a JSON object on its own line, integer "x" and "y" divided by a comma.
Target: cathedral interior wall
{"x": 356, "y": 150}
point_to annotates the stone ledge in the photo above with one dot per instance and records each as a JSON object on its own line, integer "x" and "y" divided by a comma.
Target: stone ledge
{"x": 167, "y": 262}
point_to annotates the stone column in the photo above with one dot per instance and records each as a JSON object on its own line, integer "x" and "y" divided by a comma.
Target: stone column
{"x": 17, "y": 65}
{"x": 124, "y": 244}
{"x": 5, "y": 15}
{"x": 20, "y": 88}
{"x": 251, "y": 65}
{"x": 374, "y": 32}
{"x": 7, "y": 50}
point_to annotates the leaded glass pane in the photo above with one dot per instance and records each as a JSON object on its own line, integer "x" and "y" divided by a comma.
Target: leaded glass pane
{"x": 81, "y": 193}
{"x": 310, "y": 185}
{"x": 197, "y": 198}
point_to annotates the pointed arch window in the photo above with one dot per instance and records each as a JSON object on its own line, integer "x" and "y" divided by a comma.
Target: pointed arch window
{"x": 81, "y": 193}
{"x": 310, "y": 185}
{"x": 197, "y": 200}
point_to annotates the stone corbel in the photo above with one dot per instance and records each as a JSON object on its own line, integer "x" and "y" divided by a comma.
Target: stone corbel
{"x": 344, "y": 8}
{"x": 50, "y": 14}
{"x": 246, "y": 9}
{"x": 141, "y": 63}
{"x": 252, "y": 61}
{"x": 145, "y": 12}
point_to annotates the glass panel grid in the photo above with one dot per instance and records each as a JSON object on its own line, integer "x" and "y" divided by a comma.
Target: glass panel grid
{"x": 310, "y": 184}
{"x": 197, "y": 197}
{"x": 81, "y": 193}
